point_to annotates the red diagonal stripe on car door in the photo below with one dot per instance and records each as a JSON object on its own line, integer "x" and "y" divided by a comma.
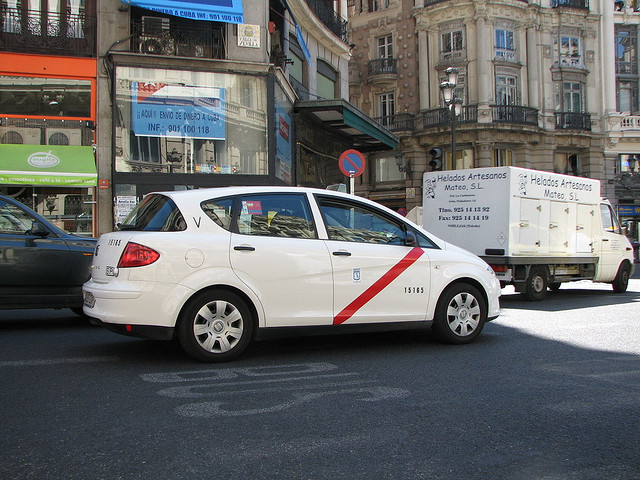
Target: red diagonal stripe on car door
{"x": 378, "y": 286}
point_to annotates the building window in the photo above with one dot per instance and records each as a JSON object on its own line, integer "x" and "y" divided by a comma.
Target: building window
{"x": 190, "y": 122}
{"x": 326, "y": 81}
{"x": 385, "y": 46}
{"x": 45, "y": 97}
{"x": 572, "y": 97}
{"x": 568, "y": 50}
{"x": 502, "y": 157}
{"x": 464, "y": 159}
{"x": 628, "y": 163}
{"x": 626, "y": 52}
{"x": 506, "y": 90}
{"x": 386, "y": 105}
{"x": 567, "y": 163}
{"x": 627, "y": 96}
{"x": 505, "y": 48}
{"x": 297, "y": 69}
{"x": 386, "y": 170}
{"x": 452, "y": 45}
{"x": 375, "y": 5}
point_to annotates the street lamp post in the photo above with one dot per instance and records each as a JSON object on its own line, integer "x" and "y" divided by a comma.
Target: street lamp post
{"x": 454, "y": 104}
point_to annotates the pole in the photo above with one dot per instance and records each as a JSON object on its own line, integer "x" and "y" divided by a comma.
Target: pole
{"x": 452, "y": 111}
{"x": 352, "y": 184}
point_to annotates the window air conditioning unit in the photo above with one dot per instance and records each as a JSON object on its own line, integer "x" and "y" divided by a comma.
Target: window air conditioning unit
{"x": 156, "y": 36}
{"x": 20, "y": 135}
{"x": 64, "y": 136}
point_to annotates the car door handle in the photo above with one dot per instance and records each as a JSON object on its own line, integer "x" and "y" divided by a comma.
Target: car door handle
{"x": 342, "y": 253}
{"x": 244, "y": 248}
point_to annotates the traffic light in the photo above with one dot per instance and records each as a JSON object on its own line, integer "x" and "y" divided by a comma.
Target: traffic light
{"x": 436, "y": 159}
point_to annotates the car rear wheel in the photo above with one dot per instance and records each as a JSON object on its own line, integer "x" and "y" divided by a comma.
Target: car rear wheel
{"x": 621, "y": 281}
{"x": 460, "y": 314}
{"x": 216, "y": 326}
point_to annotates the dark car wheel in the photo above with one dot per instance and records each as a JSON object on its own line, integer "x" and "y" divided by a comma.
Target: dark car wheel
{"x": 216, "y": 326}
{"x": 460, "y": 314}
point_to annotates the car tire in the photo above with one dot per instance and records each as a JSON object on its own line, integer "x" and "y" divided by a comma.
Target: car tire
{"x": 536, "y": 286}
{"x": 621, "y": 282}
{"x": 460, "y": 314}
{"x": 215, "y": 326}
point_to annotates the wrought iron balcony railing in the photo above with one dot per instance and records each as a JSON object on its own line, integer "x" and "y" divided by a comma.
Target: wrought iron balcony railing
{"x": 330, "y": 18}
{"x": 583, "y": 4}
{"x": 383, "y": 66}
{"x": 441, "y": 116}
{"x": 514, "y": 114}
{"x": 200, "y": 39}
{"x": 42, "y": 32}
{"x": 400, "y": 122}
{"x": 573, "y": 121}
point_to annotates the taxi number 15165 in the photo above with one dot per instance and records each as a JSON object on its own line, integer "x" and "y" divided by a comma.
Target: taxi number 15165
{"x": 413, "y": 289}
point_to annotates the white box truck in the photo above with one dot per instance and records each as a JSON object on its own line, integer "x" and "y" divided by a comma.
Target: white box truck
{"x": 536, "y": 229}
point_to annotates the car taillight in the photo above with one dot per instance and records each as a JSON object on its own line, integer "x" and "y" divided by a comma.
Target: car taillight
{"x": 136, "y": 255}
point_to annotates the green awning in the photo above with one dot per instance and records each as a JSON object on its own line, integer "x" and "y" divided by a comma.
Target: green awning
{"x": 341, "y": 116}
{"x": 47, "y": 165}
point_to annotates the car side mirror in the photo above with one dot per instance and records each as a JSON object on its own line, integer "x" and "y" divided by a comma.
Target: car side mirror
{"x": 410, "y": 239}
{"x": 38, "y": 229}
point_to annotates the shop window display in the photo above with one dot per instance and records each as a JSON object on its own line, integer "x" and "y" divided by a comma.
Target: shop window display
{"x": 190, "y": 122}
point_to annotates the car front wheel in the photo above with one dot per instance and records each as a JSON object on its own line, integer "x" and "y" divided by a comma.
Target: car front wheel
{"x": 216, "y": 326}
{"x": 460, "y": 314}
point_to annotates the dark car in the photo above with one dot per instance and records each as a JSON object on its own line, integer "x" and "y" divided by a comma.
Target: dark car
{"x": 41, "y": 265}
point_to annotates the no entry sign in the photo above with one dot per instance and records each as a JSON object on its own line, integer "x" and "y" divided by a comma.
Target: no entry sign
{"x": 352, "y": 163}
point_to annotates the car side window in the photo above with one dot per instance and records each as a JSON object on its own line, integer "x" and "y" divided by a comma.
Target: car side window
{"x": 220, "y": 210}
{"x": 350, "y": 222}
{"x": 425, "y": 242}
{"x": 275, "y": 215}
{"x": 13, "y": 220}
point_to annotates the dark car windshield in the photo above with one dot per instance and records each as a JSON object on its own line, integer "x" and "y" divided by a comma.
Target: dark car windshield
{"x": 156, "y": 213}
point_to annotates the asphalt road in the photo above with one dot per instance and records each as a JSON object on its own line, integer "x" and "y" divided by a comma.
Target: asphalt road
{"x": 551, "y": 391}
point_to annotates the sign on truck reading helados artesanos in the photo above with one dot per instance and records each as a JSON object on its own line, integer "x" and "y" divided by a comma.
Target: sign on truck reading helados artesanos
{"x": 478, "y": 203}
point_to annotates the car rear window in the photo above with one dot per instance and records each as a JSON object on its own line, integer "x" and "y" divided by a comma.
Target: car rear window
{"x": 156, "y": 213}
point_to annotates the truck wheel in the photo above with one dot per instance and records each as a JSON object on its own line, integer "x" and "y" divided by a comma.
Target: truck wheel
{"x": 621, "y": 281}
{"x": 460, "y": 314}
{"x": 536, "y": 287}
{"x": 216, "y": 326}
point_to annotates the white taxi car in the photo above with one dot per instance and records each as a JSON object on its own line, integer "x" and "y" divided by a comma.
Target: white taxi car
{"x": 211, "y": 266}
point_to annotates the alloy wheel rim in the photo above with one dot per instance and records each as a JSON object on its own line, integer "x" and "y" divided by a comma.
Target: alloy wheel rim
{"x": 463, "y": 314}
{"x": 218, "y": 326}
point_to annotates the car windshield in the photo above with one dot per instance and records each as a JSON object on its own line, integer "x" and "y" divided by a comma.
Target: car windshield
{"x": 156, "y": 213}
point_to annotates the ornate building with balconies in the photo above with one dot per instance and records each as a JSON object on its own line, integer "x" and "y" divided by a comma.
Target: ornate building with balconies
{"x": 528, "y": 88}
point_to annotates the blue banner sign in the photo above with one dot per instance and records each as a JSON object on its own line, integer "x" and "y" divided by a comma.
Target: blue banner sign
{"x": 228, "y": 11}
{"x": 629, "y": 210}
{"x": 178, "y": 111}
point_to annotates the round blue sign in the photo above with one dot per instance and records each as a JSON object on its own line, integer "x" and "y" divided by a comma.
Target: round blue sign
{"x": 351, "y": 163}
